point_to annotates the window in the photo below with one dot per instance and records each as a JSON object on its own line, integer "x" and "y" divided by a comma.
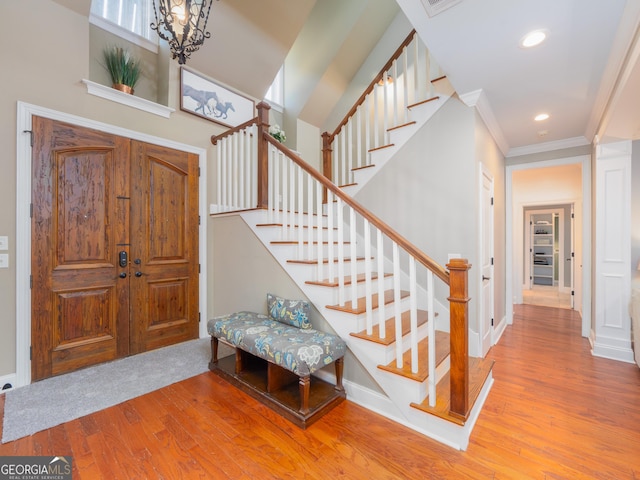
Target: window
{"x": 275, "y": 94}
{"x": 129, "y": 19}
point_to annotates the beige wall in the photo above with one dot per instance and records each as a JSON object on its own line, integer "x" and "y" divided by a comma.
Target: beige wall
{"x": 489, "y": 155}
{"x": 48, "y": 74}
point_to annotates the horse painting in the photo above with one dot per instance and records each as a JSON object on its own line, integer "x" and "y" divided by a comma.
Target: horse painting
{"x": 202, "y": 98}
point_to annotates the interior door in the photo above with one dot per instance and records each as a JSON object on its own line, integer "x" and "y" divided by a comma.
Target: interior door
{"x": 487, "y": 226}
{"x": 164, "y": 247}
{"x": 80, "y": 305}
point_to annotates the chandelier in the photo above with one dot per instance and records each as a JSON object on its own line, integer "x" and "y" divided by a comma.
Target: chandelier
{"x": 182, "y": 23}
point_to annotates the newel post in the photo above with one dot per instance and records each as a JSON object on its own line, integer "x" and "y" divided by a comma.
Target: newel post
{"x": 327, "y": 160}
{"x": 263, "y": 154}
{"x": 459, "y": 338}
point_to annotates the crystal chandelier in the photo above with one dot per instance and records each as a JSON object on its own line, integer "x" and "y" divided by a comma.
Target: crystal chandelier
{"x": 182, "y": 23}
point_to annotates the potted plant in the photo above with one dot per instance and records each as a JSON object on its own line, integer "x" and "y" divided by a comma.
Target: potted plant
{"x": 123, "y": 68}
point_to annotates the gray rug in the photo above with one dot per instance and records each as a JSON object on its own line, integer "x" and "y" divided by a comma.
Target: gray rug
{"x": 56, "y": 400}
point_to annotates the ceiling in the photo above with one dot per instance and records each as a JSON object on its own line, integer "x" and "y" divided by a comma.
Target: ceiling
{"x": 571, "y": 76}
{"x": 585, "y": 75}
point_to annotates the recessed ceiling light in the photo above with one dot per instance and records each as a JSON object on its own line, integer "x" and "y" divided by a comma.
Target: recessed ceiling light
{"x": 541, "y": 117}
{"x": 534, "y": 38}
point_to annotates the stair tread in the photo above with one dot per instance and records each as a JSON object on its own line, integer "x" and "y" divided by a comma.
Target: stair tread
{"x": 361, "y": 307}
{"x": 432, "y": 99}
{"x": 390, "y": 328}
{"x": 371, "y": 165}
{"x": 442, "y": 350}
{"x": 397, "y": 127}
{"x": 315, "y": 227}
{"x": 348, "y": 185}
{"x": 295, "y": 242}
{"x": 347, "y": 280}
{"x": 381, "y": 147}
{"x": 479, "y": 370}
{"x": 325, "y": 260}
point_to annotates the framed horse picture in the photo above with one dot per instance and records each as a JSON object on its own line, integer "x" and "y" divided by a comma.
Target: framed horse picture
{"x": 208, "y": 99}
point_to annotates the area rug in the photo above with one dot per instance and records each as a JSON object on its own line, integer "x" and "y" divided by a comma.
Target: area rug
{"x": 56, "y": 400}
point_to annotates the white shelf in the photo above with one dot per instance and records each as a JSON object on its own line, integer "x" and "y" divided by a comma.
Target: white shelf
{"x": 117, "y": 96}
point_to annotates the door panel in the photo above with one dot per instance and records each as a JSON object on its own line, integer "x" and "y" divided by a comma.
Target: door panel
{"x": 164, "y": 286}
{"x": 487, "y": 226}
{"x": 77, "y": 305}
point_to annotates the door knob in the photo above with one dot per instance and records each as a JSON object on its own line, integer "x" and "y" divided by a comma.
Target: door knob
{"x": 138, "y": 274}
{"x": 123, "y": 275}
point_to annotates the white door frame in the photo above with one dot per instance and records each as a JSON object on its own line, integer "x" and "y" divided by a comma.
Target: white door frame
{"x": 487, "y": 226}
{"x": 23, "y": 219}
{"x": 585, "y": 260}
{"x": 528, "y": 245}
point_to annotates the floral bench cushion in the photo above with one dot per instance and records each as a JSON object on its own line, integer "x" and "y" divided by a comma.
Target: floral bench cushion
{"x": 302, "y": 351}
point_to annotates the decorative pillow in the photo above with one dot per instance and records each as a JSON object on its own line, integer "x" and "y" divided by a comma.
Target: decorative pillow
{"x": 289, "y": 312}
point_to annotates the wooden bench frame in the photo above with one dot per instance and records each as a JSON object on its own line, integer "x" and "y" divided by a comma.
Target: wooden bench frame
{"x": 272, "y": 385}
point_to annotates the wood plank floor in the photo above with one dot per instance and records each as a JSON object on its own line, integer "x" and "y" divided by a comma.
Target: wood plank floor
{"x": 554, "y": 412}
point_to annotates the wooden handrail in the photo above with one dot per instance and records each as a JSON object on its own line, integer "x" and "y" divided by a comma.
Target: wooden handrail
{"x": 410, "y": 248}
{"x": 372, "y": 85}
{"x": 231, "y": 131}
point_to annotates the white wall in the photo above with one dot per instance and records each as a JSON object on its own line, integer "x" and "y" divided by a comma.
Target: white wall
{"x": 635, "y": 206}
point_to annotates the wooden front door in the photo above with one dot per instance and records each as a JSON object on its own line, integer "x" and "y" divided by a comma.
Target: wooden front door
{"x": 97, "y": 198}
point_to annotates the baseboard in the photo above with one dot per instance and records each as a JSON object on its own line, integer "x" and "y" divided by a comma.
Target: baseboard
{"x": 499, "y": 329}
{"x": 10, "y": 379}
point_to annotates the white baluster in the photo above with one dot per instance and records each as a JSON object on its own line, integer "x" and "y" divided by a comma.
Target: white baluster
{"x": 300, "y": 222}
{"x": 223, "y": 175}
{"x": 359, "y": 158}
{"x": 330, "y": 240}
{"x": 241, "y": 175}
{"x": 354, "y": 257}
{"x": 385, "y": 109}
{"x": 343, "y": 155}
{"x": 367, "y": 276}
{"x": 396, "y": 305}
{"x": 234, "y": 167}
{"x": 431, "y": 331}
{"x": 416, "y": 70}
{"x": 381, "y": 307}
{"x": 413, "y": 302}
{"x": 309, "y": 217}
{"x": 349, "y": 142}
{"x": 405, "y": 80}
{"x": 292, "y": 200}
{"x": 395, "y": 84}
{"x": 376, "y": 121}
{"x": 271, "y": 194}
{"x": 340, "y": 236}
{"x": 219, "y": 175}
{"x": 276, "y": 183}
{"x": 367, "y": 129}
{"x": 319, "y": 236}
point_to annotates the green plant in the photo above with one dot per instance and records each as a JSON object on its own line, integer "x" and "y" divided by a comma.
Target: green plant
{"x": 122, "y": 67}
{"x": 276, "y": 132}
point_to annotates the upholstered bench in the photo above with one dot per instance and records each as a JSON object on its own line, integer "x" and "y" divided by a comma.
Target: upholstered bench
{"x": 291, "y": 349}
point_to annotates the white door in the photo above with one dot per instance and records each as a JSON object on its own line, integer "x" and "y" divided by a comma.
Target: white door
{"x": 486, "y": 258}
{"x": 572, "y": 257}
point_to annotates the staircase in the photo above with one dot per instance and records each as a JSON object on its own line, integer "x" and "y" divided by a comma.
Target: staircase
{"x": 373, "y": 287}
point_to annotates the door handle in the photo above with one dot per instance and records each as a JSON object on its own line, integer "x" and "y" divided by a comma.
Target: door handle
{"x": 485, "y": 278}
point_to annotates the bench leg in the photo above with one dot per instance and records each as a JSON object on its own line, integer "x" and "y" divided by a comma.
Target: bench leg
{"x": 339, "y": 369}
{"x": 304, "y": 383}
{"x": 214, "y": 353}
{"x": 214, "y": 349}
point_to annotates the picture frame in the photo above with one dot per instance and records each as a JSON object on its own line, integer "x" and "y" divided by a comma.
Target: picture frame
{"x": 206, "y": 98}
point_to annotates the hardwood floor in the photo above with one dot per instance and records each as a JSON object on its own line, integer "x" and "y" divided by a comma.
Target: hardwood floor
{"x": 554, "y": 412}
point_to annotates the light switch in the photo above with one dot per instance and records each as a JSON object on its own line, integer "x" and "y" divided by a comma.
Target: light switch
{"x": 4, "y": 243}
{"x": 4, "y": 260}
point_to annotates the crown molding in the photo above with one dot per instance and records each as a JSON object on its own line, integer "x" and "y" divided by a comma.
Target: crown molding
{"x": 548, "y": 146}
{"x": 478, "y": 99}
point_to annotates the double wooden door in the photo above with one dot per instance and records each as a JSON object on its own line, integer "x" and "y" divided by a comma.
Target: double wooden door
{"x": 114, "y": 247}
